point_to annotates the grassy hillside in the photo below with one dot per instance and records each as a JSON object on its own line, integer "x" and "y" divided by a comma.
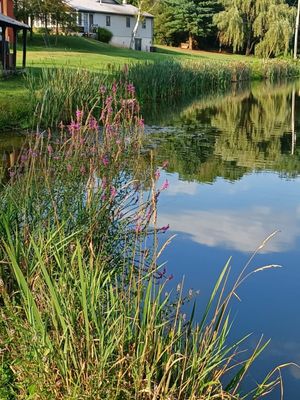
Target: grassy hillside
{"x": 88, "y": 53}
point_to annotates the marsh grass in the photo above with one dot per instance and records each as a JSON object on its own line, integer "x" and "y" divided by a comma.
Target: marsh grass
{"x": 86, "y": 306}
{"x": 57, "y": 93}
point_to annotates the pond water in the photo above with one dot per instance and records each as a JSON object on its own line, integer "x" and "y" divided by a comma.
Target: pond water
{"x": 234, "y": 173}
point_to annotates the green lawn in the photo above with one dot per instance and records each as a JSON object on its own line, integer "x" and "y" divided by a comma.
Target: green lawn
{"x": 91, "y": 54}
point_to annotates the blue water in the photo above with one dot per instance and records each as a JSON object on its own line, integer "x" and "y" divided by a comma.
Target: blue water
{"x": 234, "y": 174}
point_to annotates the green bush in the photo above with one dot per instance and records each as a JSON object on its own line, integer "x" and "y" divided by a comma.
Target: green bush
{"x": 104, "y": 35}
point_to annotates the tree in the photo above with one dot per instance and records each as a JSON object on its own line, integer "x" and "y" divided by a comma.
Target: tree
{"x": 192, "y": 19}
{"x": 297, "y": 30}
{"x": 58, "y": 11}
{"x": 267, "y": 24}
{"x": 143, "y": 6}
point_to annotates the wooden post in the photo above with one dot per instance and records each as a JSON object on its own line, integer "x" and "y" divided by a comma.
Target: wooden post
{"x": 15, "y": 49}
{"x": 24, "y": 47}
{"x": 3, "y": 48}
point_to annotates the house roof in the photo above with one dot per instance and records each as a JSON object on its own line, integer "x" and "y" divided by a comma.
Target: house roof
{"x": 12, "y": 23}
{"x": 106, "y": 8}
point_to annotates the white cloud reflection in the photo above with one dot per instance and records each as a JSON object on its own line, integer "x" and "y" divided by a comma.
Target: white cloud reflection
{"x": 182, "y": 187}
{"x": 241, "y": 230}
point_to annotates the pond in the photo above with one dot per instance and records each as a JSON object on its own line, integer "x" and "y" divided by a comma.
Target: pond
{"x": 234, "y": 174}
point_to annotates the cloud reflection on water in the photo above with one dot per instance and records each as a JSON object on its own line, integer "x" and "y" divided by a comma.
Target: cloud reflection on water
{"x": 242, "y": 230}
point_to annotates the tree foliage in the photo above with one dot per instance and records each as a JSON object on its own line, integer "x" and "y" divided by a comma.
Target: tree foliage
{"x": 266, "y": 25}
{"x": 56, "y": 11}
{"x": 188, "y": 19}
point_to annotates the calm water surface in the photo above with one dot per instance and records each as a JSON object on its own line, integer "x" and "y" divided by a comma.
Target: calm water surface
{"x": 234, "y": 173}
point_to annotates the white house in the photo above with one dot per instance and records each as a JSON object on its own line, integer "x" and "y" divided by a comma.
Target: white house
{"x": 120, "y": 19}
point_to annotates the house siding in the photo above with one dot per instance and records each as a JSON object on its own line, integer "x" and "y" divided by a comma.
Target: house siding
{"x": 122, "y": 33}
{"x": 7, "y": 8}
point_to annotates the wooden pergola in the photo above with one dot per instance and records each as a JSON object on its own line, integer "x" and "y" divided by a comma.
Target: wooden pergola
{"x": 9, "y": 61}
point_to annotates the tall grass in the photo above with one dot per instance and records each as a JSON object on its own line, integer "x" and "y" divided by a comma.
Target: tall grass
{"x": 85, "y": 313}
{"x": 56, "y": 93}
{"x": 276, "y": 70}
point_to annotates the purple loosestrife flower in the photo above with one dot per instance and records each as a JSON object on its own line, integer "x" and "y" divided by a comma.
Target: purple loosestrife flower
{"x": 79, "y": 114}
{"x": 114, "y": 87}
{"x": 12, "y": 173}
{"x": 165, "y": 185}
{"x": 113, "y": 192}
{"x": 138, "y": 228}
{"x": 157, "y": 174}
{"x": 165, "y": 164}
{"x": 105, "y": 161}
{"x": 141, "y": 122}
{"x": 24, "y": 158}
{"x": 164, "y": 228}
{"x": 130, "y": 88}
{"x": 108, "y": 100}
{"x": 93, "y": 124}
{"x": 50, "y": 149}
{"x": 69, "y": 168}
{"x": 102, "y": 89}
{"x": 73, "y": 127}
{"x": 104, "y": 183}
{"x": 82, "y": 170}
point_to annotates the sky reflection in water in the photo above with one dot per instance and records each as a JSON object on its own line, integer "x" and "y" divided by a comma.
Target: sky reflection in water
{"x": 234, "y": 178}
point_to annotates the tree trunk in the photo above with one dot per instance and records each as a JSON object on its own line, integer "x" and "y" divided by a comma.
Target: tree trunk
{"x": 135, "y": 29}
{"x": 191, "y": 39}
{"x": 31, "y": 26}
{"x": 297, "y": 31}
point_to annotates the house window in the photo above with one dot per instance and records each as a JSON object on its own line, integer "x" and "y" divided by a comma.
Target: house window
{"x": 79, "y": 19}
{"x": 85, "y": 19}
{"x": 108, "y": 20}
{"x": 127, "y": 22}
{"x": 144, "y": 24}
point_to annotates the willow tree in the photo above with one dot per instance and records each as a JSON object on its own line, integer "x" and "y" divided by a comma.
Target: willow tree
{"x": 266, "y": 24}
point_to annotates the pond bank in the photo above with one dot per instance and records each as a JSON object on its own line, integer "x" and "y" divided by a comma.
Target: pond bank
{"x": 159, "y": 81}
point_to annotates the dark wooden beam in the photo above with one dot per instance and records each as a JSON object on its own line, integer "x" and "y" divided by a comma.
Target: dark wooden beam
{"x": 15, "y": 49}
{"x": 24, "y": 47}
{"x": 3, "y": 48}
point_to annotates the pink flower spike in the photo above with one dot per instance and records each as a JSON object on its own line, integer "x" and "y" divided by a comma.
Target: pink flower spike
{"x": 82, "y": 170}
{"x": 164, "y": 228}
{"x": 113, "y": 192}
{"x": 104, "y": 183}
{"x": 141, "y": 122}
{"x": 138, "y": 228}
{"x": 69, "y": 167}
{"x": 93, "y": 124}
{"x": 157, "y": 174}
{"x": 165, "y": 185}
{"x": 130, "y": 88}
{"x": 50, "y": 149}
{"x": 102, "y": 89}
{"x": 165, "y": 164}
{"x": 105, "y": 161}
{"x": 79, "y": 115}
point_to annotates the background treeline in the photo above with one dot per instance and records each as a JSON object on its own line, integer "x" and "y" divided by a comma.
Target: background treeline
{"x": 263, "y": 27}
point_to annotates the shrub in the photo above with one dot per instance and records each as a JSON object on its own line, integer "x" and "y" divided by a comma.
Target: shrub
{"x": 104, "y": 35}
